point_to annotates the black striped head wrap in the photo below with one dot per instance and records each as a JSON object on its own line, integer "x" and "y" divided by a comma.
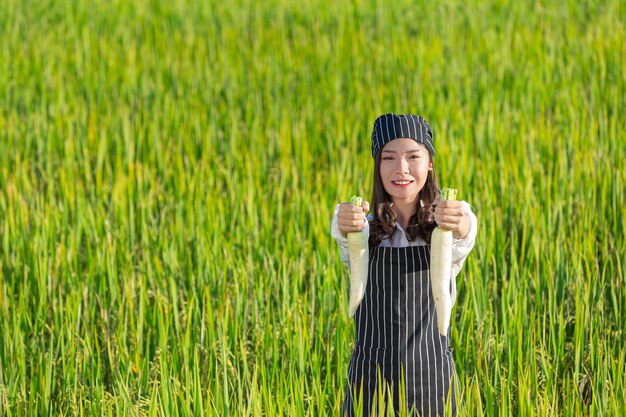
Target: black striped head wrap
{"x": 395, "y": 126}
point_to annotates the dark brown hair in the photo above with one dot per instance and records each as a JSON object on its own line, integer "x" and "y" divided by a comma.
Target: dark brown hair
{"x": 421, "y": 224}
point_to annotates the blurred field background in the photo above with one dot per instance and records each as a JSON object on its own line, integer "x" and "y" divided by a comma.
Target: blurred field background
{"x": 168, "y": 171}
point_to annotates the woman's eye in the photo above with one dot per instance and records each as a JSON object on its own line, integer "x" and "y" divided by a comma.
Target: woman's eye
{"x": 387, "y": 158}
{"x": 414, "y": 157}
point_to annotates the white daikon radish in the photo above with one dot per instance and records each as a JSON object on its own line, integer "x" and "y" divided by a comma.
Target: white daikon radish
{"x": 440, "y": 268}
{"x": 359, "y": 259}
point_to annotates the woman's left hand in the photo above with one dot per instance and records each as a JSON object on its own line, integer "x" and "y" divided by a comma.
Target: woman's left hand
{"x": 450, "y": 215}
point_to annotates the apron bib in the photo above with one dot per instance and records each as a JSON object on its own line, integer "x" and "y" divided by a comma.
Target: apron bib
{"x": 399, "y": 353}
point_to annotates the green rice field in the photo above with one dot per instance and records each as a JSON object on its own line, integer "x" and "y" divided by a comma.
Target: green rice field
{"x": 169, "y": 170}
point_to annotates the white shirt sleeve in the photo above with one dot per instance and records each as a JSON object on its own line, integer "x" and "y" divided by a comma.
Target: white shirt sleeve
{"x": 462, "y": 247}
{"x": 342, "y": 241}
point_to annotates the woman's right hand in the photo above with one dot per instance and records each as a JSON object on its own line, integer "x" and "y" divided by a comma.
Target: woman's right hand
{"x": 351, "y": 218}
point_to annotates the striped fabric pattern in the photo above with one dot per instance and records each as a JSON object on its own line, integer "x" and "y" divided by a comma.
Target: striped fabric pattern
{"x": 394, "y": 126}
{"x": 398, "y": 346}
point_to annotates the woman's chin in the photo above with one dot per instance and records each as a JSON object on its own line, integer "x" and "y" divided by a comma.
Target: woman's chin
{"x": 403, "y": 197}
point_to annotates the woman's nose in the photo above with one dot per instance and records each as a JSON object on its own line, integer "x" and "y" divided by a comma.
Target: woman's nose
{"x": 403, "y": 165}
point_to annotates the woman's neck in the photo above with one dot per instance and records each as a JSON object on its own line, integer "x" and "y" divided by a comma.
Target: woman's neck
{"x": 404, "y": 210}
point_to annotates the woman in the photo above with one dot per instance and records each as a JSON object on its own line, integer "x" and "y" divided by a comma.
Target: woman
{"x": 398, "y": 351}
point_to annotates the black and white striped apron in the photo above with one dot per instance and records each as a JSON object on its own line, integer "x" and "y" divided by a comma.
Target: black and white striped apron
{"x": 399, "y": 351}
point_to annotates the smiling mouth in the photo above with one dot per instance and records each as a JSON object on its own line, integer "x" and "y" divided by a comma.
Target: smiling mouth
{"x": 402, "y": 182}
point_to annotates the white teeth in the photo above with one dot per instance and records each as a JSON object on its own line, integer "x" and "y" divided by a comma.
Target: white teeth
{"x": 402, "y": 182}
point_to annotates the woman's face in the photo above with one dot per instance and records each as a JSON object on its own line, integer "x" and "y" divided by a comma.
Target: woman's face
{"x": 404, "y": 166}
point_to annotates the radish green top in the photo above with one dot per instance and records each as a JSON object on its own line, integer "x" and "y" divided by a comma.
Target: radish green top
{"x": 356, "y": 200}
{"x": 447, "y": 194}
